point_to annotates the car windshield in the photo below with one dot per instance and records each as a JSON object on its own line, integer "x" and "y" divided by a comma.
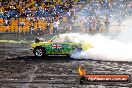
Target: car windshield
{"x": 60, "y": 38}
{"x": 67, "y": 38}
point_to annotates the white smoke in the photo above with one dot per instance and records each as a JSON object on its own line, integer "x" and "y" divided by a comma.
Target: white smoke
{"x": 111, "y": 47}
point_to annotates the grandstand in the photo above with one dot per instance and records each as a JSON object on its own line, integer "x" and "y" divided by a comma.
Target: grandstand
{"x": 30, "y": 16}
{"x": 16, "y": 16}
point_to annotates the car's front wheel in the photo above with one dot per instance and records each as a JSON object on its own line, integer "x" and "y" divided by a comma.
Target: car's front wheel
{"x": 39, "y": 52}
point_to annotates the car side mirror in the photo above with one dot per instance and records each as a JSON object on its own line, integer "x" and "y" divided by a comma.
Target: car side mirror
{"x": 37, "y": 40}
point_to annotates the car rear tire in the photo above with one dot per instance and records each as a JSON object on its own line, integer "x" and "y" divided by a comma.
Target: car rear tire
{"x": 74, "y": 52}
{"x": 39, "y": 52}
{"x": 77, "y": 50}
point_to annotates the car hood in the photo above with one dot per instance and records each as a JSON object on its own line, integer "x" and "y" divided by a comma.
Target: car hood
{"x": 33, "y": 45}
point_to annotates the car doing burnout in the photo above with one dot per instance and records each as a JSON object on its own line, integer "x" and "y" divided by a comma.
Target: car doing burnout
{"x": 62, "y": 44}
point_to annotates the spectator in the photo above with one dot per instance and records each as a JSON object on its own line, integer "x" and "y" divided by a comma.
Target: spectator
{"x": 90, "y": 24}
{"x": 21, "y": 24}
{"x": 6, "y": 23}
{"x": 39, "y": 30}
{"x": 31, "y": 29}
{"x": 69, "y": 14}
{"x": 69, "y": 27}
{"x": 47, "y": 30}
{"x": 1, "y": 14}
{"x": 98, "y": 25}
{"x": 86, "y": 24}
{"x": 106, "y": 22}
{"x": 55, "y": 26}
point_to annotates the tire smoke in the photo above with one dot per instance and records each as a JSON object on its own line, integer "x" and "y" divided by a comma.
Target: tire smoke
{"x": 108, "y": 46}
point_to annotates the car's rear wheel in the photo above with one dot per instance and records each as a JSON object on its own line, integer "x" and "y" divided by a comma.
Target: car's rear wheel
{"x": 77, "y": 50}
{"x": 39, "y": 52}
{"x": 74, "y": 52}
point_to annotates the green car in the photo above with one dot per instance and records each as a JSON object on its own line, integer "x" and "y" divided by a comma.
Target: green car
{"x": 63, "y": 44}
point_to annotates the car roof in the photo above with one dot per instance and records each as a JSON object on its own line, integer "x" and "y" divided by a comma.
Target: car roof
{"x": 69, "y": 34}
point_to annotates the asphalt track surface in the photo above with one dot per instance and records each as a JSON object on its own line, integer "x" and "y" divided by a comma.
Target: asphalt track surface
{"x": 20, "y": 69}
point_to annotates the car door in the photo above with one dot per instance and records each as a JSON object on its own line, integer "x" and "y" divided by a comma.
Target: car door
{"x": 58, "y": 46}
{"x": 55, "y": 46}
{"x": 66, "y": 48}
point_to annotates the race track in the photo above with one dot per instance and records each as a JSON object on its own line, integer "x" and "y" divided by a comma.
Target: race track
{"x": 20, "y": 69}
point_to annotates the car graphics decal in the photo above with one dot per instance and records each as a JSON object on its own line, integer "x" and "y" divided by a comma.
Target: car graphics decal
{"x": 56, "y": 46}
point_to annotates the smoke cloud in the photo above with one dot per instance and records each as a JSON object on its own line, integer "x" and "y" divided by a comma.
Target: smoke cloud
{"x": 113, "y": 46}
{"x": 108, "y": 46}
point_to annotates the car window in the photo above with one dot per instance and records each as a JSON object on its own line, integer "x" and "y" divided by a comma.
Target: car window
{"x": 67, "y": 39}
{"x": 58, "y": 39}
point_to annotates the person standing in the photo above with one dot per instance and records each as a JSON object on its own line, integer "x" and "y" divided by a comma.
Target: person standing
{"x": 47, "y": 31}
{"x": 90, "y": 24}
{"x": 87, "y": 24}
{"x": 98, "y": 26}
{"x": 55, "y": 26}
{"x": 106, "y": 22}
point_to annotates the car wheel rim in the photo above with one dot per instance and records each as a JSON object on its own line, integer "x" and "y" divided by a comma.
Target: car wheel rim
{"x": 39, "y": 52}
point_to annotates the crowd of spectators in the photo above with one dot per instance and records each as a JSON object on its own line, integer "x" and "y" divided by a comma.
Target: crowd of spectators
{"x": 100, "y": 15}
{"x": 97, "y": 12}
{"x": 31, "y": 8}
